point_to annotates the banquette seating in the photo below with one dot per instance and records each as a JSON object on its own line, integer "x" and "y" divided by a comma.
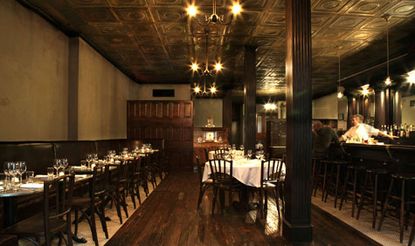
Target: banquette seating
{"x": 40, "y": 155}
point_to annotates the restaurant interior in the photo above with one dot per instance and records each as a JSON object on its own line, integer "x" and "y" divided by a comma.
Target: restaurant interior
{"x": 207, "y": 122}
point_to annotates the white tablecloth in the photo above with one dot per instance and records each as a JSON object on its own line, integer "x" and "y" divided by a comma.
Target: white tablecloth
{"x": 237, "y": 153}
{"x": 245, "y": 171}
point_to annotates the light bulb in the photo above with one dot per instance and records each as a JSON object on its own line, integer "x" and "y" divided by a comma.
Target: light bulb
{"x": 388, "y": 81}
{"x": 236, "y": 8}
{"x": 218, "y": 66}
{"x": 213, "y": 89}
{"x": 197, "y": 89}
{"x": 192, "y": 10}
{"x": 339, "y": 94}
{"x": 365, "y": 90}
{"x": 270, "y": 106}
{"x": 411, "y": 77}
{"x": 194, "y": 66}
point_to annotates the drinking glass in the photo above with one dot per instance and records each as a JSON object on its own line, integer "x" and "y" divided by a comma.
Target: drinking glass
{"x": 2, "y": 182}
{"x": 7, "y": 179}
{"x": 249, "y": 154}
{"x": 89, "y": 159}
{"x": 29, "y": 176}
{"x": 64, "y": 164}
{"x": 50, "y": 172}
{"x": 57, "y": 165}
{"x": 241, "y": 147}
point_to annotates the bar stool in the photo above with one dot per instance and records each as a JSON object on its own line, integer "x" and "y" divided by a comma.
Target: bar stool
{"x": 403, "y": 197}
{"x": 318, "y": 176}
{"x": 370, "y": 188}
{"x": 332, "y": 170}
{"x": 350, "y": 184}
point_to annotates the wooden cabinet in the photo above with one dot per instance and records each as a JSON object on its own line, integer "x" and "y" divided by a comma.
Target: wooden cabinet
{"x": 208, "y": 138}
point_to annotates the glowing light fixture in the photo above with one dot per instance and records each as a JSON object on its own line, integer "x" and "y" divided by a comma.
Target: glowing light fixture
{"x": 270, "y": 106}
{"x": 340, "y": 89}
{"x": 365, "y": 90}
{"x": 192, "y": 11}
{"x": 218, "y": 66}
{"x": 410, "y": 78}
{"x": 194, "y": 66}
{"x": 388, "y": 80}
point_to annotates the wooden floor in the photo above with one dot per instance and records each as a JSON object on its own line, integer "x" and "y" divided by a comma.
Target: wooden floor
{"x": 169, "y": 217}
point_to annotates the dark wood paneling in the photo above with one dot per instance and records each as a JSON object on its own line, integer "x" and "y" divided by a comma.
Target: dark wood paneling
{"x": 170, "y": 120}
{"x": 297, "y": 214}
{"x": 249, "y": 132}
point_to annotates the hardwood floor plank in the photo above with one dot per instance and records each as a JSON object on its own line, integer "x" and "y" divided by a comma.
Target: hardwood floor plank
{"x": 169, "y": 217}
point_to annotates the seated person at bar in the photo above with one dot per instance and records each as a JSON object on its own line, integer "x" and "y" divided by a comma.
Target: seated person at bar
{"x": 323, "y": 137}
{"x": 361, "y": 132}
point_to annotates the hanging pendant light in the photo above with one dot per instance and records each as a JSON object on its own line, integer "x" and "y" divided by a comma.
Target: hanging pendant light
{"x": 340, "y": 89}
{"x": 388, "y": 80}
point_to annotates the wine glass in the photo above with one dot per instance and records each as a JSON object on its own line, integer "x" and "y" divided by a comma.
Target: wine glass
{"x": 7, "y": 166}
{"x": 241, "y": 147}
{"x": 57, "y": 165}
{"x": 249, "y": 153}
{"x": 64, "y": 164}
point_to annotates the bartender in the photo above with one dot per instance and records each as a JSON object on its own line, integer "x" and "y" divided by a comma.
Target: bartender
{"x": 361, "y": 132}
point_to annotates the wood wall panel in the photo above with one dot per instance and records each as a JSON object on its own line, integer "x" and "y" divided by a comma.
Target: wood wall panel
{"x": 170, "y": 120}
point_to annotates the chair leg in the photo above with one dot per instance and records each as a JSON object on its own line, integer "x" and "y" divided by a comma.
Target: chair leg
{"x": 401, "y": 217}
{"x": 385, "y": 205}
{"x": 375, "y": 201}
{"x": 101, "y": 215}
{"x": 412, "y": 234}
{"x": 362, "y": 196}
{"x": 337, "y": 185}
{"x": 201, "y": 193}
{"x": 118, "y": 208}
{"x": 344, "y": 190}
{"x": 76, "y": 220}
{"x": 132, "y": 196}
{"x": 324, "y": 182}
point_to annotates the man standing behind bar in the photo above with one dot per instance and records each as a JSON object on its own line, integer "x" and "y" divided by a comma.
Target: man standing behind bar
{"x": 360, "y": 132}
{"x": 323, "y": 137}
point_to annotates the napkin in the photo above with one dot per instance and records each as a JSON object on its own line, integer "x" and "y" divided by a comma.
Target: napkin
{"x": 32, "y": 186}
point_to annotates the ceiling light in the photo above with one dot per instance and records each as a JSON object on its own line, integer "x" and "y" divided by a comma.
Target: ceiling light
{"x": 192, "y": 10}
{"x": 270, "y": 106}
{"x": 236, "y": 8}
{"x": 388, "y": 80}
{"x": 194, "y": 66}
{"x": 365, "y": 90}
{"x": 213, "y": 89}
{"x": 410, "y": 78}
{"x": 196, "y": 89}
{"x": 218, "y": 66}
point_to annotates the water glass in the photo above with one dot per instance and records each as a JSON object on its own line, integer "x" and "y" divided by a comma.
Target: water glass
{"x": 241, "y": 147}
{"x": 249, "y": 154}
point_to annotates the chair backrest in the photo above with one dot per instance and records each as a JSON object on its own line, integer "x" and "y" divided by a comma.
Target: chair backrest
{"x": 220, "y": 153}
{"x": 271, "y": 170}
{"x": 221, "y": 170}
{"x": 99, "y": 181}
{"x": 57, "y": 197}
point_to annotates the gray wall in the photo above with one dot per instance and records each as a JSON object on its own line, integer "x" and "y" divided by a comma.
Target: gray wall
{"x": 34, "y": 83}
{"x": 203, "y": 108}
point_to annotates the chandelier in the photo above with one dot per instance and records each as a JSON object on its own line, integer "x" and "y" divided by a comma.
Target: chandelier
{"x": 192, "y": 11}
{"x": 205, "y": 74}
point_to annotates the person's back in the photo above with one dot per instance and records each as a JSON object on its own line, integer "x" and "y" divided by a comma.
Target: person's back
{"x": 322, "y": 139}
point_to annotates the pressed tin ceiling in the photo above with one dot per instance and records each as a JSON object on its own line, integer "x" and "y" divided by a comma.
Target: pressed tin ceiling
{"x": 153, "y": 41}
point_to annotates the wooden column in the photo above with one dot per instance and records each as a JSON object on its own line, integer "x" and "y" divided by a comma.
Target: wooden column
{"x": 380, "y": 108}
{"x": 249, "y": 131}
{"x": 297, "y": 215}
{"x": 397, "y": 108}
{"x": 351, "y": 109}
{"x": 227, "y": 113}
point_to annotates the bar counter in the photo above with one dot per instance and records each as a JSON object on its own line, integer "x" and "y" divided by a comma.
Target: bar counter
{"x": 401, "y": 155}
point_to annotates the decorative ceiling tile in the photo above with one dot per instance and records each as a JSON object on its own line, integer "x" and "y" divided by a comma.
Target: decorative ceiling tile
{"x": 88, "y": 3}
{"x": 369, "y": 7}
{"x": 108, "y": 28}
{"x": 403, "y": 9}
{"x": 127, "y": 3}
{"x": 348, "y": 22}
{"x": 256, "y": 5}
{"x": 96, "y": 15}
{"x": 136, "y": 15}
{"x": 276, "y": 32}
{"x": 173, "y": 28}
{"x": 329, "y": 6}
{"x": 168, "y": 2}
{"x": 165, "y": 14}
{"x": 274, "y": 19}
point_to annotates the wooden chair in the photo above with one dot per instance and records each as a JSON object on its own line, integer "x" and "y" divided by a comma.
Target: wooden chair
{"x": 203, "y": 185}
{"x": 220, "y": 153}
{"x": 221, "y": 173}
{"x": 135, "y": 181}
{"x": 56, "y": 217}
{"x": 271, "y": 180}
{"x": 117, "y": 188}
{"x": 94, "y": 203}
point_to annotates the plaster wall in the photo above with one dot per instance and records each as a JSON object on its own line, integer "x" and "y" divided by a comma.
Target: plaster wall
{"x": 33, "y": 76}
{"x": 103, "y": 93}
